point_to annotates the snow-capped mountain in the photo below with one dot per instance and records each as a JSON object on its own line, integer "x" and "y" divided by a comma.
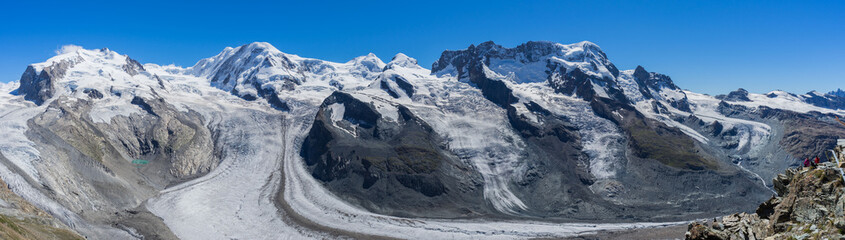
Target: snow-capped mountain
{"x": 255, "y": 143}
{"x": 259, "y": 70}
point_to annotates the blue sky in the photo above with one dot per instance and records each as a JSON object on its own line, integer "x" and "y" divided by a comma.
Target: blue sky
{"x": 705, "y": 46}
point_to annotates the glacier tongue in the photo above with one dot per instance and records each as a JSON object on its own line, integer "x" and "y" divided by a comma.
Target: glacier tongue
{"x": 236, "y": 200}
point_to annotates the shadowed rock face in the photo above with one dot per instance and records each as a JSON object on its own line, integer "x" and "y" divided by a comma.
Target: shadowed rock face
{"x": 390, "y": 166}
{"x": 39, "y": 86}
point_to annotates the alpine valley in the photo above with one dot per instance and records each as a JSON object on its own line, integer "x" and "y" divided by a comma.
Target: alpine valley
{"x": 543, "y": 140}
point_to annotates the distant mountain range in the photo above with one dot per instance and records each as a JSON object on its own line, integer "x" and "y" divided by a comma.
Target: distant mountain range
{"x": 254, "y": 143}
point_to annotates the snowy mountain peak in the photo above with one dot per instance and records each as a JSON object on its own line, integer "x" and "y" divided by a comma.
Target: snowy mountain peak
{"x": 246, "y": 56}
{"x": 74, "y": 53}
{"x": 78, "y": 71}
{"x": 369, "y": 62}
{"x": 402, "y": 60}
{"x": 262, "y": 46}
{"x": 528, "y": 62}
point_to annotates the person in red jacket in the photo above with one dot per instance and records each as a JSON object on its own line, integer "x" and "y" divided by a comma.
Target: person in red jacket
{"x": 816, "y": 160}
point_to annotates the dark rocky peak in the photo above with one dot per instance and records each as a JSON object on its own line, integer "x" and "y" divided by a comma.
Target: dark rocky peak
{"x": 39, "y": 85}
{"x": 132, "y": 67}
{"x": 641, "y": 73}
{"x": 838, "y": 93}
{"x": 653, "y": 80}
{"x": 39, "y": 81}
{"x": 651, "y": 83}
{"x": 740, "y": 95}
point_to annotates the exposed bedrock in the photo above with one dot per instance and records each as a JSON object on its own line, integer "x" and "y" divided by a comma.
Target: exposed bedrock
{"x": 393, "y": 166}
{"x": 97, "y": 169}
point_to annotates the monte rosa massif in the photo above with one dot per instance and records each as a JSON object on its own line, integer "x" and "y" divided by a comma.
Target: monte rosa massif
{"x": 543, "y": 140}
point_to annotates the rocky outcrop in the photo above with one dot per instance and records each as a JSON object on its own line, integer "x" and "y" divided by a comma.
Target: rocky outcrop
{"x": 38, "y": 86}
{"x": 740, "y": 95}
{"x": 394, "y": 166}
{"x": 809, "y": 205}
{"x": 652, "y": 83}
{"x": 179, "y": 140}
{"x": 96, "y": 169}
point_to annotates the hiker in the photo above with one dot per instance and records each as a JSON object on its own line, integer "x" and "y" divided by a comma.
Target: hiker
{"x": 816, "y": 160}
{"x": 806, "y": 162}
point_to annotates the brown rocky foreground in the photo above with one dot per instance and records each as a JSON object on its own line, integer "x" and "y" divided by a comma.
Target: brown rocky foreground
{"x": 809, "y": 205}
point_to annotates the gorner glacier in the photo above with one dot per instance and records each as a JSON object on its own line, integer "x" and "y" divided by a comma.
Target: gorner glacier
{"x": 543, "y": 140}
